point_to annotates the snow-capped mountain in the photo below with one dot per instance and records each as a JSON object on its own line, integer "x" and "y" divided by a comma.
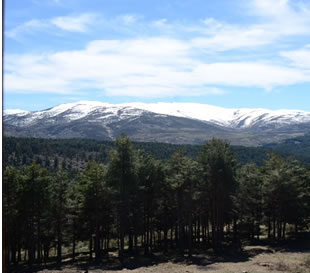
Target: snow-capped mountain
{"x": 166, "y": 122}
{"x": 227, "y": 117}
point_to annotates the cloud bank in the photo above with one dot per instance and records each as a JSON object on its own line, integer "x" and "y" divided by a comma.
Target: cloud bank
{"x": 175, "y": 59}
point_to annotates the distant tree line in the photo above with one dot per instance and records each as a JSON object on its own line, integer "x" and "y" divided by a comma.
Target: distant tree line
{"x": 140, "y": 205}
{"x": 73, "y": 154}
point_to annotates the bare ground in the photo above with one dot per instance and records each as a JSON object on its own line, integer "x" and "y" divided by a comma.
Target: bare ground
{"x": 256, "y": 259}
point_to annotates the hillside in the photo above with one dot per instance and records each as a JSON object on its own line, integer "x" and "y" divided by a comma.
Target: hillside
{"x": 177, "y": 123}
{"x": 74, "y": 153}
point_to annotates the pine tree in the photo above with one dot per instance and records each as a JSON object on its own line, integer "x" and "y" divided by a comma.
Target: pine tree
{"x": 94, "y": 204}
{"x": 183, "y": 178}
{"x": 12, "y": 226}
{"x": 35, "y": 198}
{"x": 122, "y": 179}
{"x": 218, "y": 165}
{"x": 59, "y": 208}
{"x": 250, "y": 198}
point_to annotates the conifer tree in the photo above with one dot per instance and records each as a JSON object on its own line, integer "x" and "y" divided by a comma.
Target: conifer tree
{"x": 183, "y": 178}
{"x": 12, "y": 218}
{"x": 35, "y": 198}
{"x": 59, "y": 208}
{"x": 250, "y": 198}
{"x": 94, "y": 204}
{"x": 122, "y": 179}
{"x": 218, "y": 165}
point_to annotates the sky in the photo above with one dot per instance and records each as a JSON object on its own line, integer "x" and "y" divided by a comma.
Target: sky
{"x": 235, "y": 54}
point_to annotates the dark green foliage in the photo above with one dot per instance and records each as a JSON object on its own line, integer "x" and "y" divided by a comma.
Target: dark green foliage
{"x": 249, "y": 200}
{"x": 95, "y": 204}
{"x": 299, "y": 147}
{"x": 12, "y": 228}
{"x": 150, "y": 177}
{"x": 218, "y": 170}
{"x": 286, "y": 191}
{"x": 123, "y": 180}
{"x": 79, "y": 151}
{"x": 59, "y": 209}
{"x": 126, "y": 195}
{"x": 183, "y": 178}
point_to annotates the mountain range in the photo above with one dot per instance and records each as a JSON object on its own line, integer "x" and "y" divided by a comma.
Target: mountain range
{"x": 179, "y": 123}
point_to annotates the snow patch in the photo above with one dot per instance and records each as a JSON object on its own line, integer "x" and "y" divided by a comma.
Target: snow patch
{"x": 17, "y": 112}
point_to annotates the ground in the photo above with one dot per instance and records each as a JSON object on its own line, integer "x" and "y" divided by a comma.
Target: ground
{"x": 256, "y": 259}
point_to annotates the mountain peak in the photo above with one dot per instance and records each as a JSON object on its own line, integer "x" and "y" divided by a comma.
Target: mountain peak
{"x": 228, "y": 117}
{"x": 162, "y": 121}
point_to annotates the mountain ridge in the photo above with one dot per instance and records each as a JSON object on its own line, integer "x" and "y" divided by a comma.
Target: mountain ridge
{"x": 161, "y": 122}
{"x": 222, "y": 116}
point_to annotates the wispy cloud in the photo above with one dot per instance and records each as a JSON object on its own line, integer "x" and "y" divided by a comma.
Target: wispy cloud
{"x": 78, "y": 23}
{"x": 28, "y": 27}
{"x": 151, "y": 67}
{"x": 284, "y": 17}
{"x": 128, "y": 19}
{"x": 277, "y": 20}
{"x": 299, "y": 58}
{"x": 196, "y": 59}
{"x": 74, "y": 23}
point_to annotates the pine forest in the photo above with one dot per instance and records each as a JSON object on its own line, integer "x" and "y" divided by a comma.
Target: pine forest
{"x": 126, "y": 203}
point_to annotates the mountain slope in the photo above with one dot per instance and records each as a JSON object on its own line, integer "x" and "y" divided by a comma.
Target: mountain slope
{"x": 160, "y": 122}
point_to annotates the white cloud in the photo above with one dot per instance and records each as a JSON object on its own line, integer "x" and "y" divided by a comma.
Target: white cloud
{"x": 158, "y": 66}
{"x": 250, "y": 74}
{"x": 26, "y": 28}
{"x": 79, "y": 23}
{"x": 229, "y": 38}
{"x": 155, "y": 67}
{"x": 272, "y": 8}
{"x": 276, "y": 20}
{"x": 286, "y": 17}
{"x": 127, "y": 19}
{"x": 160, "y": 23}
{"x": 74, "y": 23}
{"x": 299, "y": 58}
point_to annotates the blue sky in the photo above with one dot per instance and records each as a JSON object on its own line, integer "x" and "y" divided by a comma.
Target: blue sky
{"x": 242, "y": 53}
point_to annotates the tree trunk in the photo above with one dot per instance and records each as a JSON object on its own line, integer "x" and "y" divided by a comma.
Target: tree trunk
{"x": 171, "y": 237}
{"x": 235, "y": 230}
{"x": 147, "y": 239}
{"x": 121, "y": 247}
{"x": 19, "y": 252}
{"x": 136, "y": 243}
{"x": 90, "y": 247}
{"x": 190, "y": 237}
{"x": 165, "y": 238}
{"x": 130, "y": 241}
{"x": 284, "y": 227}
{"x": 13, "y": 253}
{"x": 31, "y": 250}
{"x": 97, "y": 245}
{"x": 73, "y": 250}
{"x": 59, "y": 244}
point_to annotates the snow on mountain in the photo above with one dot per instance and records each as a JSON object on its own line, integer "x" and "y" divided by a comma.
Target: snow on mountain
{"x": 16, "y": 112}
{"x": 227, "y": 117}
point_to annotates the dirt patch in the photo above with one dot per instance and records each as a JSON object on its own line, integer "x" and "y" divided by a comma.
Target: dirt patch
{"x": 260, "y": 260}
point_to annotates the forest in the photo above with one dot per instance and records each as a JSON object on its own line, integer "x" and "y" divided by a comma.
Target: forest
{"x": 73, "y": 154}
{"x": 126, "y": 202}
